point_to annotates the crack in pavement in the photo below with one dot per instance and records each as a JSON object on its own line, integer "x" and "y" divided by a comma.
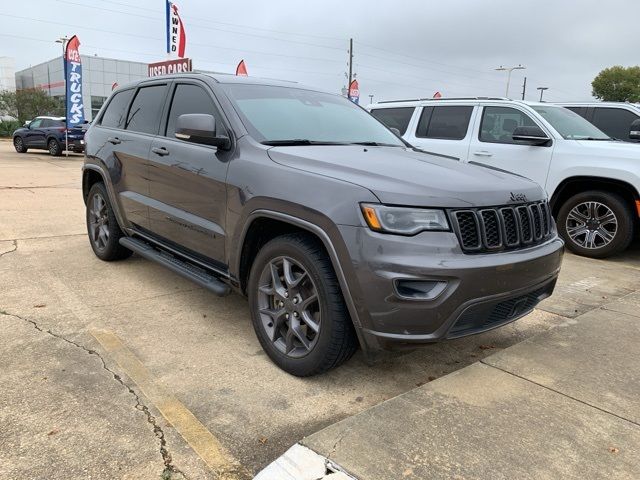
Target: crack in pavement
{"x": 169, "y": 468}
{"x": 15, "y": 247}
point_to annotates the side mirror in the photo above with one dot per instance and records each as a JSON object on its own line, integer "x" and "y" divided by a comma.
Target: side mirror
{"x": 634, "y": 132}
{"x": 200, "y": 128}
{"x": 530, "y": 136}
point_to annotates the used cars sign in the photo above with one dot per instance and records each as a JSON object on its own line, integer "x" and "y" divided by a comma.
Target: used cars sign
{"x": 169, "y": 67}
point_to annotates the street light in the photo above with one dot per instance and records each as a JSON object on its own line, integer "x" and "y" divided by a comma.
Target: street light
{"x": 509, "y": 70}
{"x": 370, "y": 98}
{"x": 542, "y": 89}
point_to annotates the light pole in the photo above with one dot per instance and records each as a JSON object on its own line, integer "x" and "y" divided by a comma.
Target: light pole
{"x": 542, "y": 89}
{"x": 509, "y": 70}
{"x": 63, "y": 41}
{"x": 370, "y": 98}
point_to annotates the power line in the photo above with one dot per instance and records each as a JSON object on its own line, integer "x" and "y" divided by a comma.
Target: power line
{"x": 250, "y": 27}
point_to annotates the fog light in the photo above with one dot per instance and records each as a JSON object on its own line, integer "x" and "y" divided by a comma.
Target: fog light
{"x": 420, "y": 289}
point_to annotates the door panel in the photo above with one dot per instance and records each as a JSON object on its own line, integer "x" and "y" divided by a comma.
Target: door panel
{"x": 187, "y": 181}
{"x": 492, "y": 144}
{"x": 35, "y": 137}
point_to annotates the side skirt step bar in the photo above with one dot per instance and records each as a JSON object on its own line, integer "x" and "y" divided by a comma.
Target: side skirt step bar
{"x": 195, "y": 274}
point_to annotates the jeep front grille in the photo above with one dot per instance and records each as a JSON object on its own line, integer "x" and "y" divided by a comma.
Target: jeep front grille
{"x": 502, "y": 228}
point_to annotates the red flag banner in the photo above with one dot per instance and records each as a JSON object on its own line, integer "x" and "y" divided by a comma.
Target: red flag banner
{"x": 241, "y": 69}
{"x": 437, "y": 95}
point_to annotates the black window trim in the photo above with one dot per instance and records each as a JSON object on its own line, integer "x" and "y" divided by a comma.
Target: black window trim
{"x": 513, "y": 107}
{"x": 431, "y": 110}
{"x": 162, "y": 132}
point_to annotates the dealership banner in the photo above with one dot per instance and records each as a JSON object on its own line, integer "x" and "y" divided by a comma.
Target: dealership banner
{"x": 176, "y": 36}
{"x": 168, "y": 67}
{"x": 354, "y": 91}
{"x": 73, "y": 76}
{"x": 241, "y": 69}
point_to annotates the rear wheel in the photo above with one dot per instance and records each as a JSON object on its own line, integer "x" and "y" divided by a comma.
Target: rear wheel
{"x": 297, "y": 307}
{"x": 18, "y": 144}
{"x": 55, "y": 150}
{"x": 102, "y": 226}
{"x": 596, "y": 224}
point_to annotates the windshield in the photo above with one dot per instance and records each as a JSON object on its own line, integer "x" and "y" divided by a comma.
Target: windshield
{"x": 285, "y": 115}
{"x": 569, "y": 124}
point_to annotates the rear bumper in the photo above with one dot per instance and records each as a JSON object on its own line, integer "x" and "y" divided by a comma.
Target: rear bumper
{"x": 75, "y": 145}
{"x": 475, "y": 292}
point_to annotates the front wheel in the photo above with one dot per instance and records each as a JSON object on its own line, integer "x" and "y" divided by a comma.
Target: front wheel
{"x": 102, "y": 226}
{"x": 18, "y": 144}
{"x": 297, "y": 307}
{"x": 55, "y": 150}
{"x": 596, "y": 224}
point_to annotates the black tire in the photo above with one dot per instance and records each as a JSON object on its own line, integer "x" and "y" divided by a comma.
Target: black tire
{"x": 336, "y": 340}
{"x": 621, "y": 228}
{"x": 54, "y": 147}
{"x": 107, "y": 247}
{"x": 18, "y": 144}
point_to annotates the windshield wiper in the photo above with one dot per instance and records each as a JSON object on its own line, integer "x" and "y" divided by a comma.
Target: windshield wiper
{"x": 298, "y": 141}
{"x": 376, "y": 144}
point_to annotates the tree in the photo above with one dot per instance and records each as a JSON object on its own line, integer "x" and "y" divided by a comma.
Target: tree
{"x": 618, "y": 84}
{"x": 28, "y": 103}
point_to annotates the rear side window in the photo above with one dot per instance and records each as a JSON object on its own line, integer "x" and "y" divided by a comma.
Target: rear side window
{"x": 144, "y": 114}
{"x": 191, "y": 99}
{"x": 582, "y": 111}
{"x": 615, "y": 122}
{"x": 115, "y": 114}
{"x": 447, "y": 123}
{"x": 498, "y": 124}
{"x": 395, "y": 117}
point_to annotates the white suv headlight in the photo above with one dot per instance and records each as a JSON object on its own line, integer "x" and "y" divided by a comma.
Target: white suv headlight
{"x": 404, "y": 220}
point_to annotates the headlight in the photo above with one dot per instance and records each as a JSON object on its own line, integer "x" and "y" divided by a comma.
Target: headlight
{"x": 403, "y": 220}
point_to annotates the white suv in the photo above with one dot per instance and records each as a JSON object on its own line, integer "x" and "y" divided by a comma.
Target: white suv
{"x": 616, "y": 119}
{"x": 593, "y": 182}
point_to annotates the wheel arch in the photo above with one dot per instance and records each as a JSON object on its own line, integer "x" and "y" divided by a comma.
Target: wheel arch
{"x": 264, "y": 225}
{"x": 574, "y": 185}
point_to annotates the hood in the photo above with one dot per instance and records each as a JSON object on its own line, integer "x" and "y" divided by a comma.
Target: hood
{"x": 401, "y": 176}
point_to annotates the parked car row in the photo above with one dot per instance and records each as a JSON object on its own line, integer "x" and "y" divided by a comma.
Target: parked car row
{"x": 49, "y": 133}
{"x": 593, "y": 182}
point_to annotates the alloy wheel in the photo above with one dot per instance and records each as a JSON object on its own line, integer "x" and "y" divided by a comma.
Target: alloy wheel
{"x": 99, "y": 222}
{"x": 53, "y": 147}
{"x": 288, "y": 306}
{"x": 591, "y": 225}
{"x": 18, "y": 144}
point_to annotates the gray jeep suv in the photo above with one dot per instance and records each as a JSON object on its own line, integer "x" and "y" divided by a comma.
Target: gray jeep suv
{"x": 338, "y": 232}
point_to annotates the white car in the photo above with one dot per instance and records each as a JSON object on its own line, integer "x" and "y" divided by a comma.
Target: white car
{"x": 592, "y": 181}
{"x": 616, "y": 119}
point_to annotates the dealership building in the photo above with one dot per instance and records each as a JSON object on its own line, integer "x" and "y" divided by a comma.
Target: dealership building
{"x": 99, "y": 75}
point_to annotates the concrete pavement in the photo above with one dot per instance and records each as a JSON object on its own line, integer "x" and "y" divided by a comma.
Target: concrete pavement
{"x": 564, "y": 404}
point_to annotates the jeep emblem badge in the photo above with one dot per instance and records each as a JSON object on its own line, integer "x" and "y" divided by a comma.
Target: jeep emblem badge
{"x": 518, "y": 197}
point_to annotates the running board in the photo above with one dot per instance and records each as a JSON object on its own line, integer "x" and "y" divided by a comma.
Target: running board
{"x": 195, "y": 274}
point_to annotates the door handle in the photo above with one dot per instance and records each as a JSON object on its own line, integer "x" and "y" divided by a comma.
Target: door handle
{"x": 483, "y": 153}
{"x": 114, "y": 140}
{"x": 160, "y": 151}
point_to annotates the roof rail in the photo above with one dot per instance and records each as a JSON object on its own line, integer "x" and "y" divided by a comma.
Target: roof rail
{"x": 445, "y": 98}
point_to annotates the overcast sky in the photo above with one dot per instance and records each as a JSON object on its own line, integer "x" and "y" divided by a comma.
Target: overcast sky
{"x": 402, "y": 49}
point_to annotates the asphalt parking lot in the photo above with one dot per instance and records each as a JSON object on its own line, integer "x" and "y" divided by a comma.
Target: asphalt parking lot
{"x": 125, "y": 370}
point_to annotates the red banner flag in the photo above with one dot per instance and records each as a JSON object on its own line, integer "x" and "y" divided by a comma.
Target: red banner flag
{"x": 176, "y": 36}
{"x": 437, "y": 95}
{"x": 241, "y": 69}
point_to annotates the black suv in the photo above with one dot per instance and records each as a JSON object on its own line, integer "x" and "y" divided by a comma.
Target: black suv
{"x": 338, "y": 231}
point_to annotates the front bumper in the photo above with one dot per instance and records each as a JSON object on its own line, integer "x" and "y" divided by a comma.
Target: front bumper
{"x": 479, "y": 292}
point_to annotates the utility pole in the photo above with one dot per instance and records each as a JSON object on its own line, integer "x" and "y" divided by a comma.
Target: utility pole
{"x": 509, "y": 70}
{"x": 350, "y": 68}
{"x": 524, "y": 87}
{"x": 542, "y": 89}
